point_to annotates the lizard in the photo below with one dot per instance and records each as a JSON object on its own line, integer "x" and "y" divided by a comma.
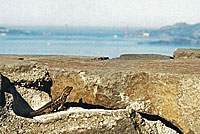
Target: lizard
{"x": 53, "y": 105}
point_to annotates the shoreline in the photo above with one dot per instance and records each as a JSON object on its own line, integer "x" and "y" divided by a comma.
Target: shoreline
{"x": 85, "y": 55}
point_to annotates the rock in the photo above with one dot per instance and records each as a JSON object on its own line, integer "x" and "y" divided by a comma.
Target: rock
{"x": 101, "y": 58}
{"x": 144, "y": 126}
{"x": 172, "y": 97}
{"x": 79, "y": 120}
{"x": 91, "y": 121}
{"x": 152, "y": 93}
{"x": 5, "y": 86}
{"x": 83, "y": 121}
{"x": 29, "y": 76}
{"x": 187, "y": 54}
{"x": 2, "y": 95}
{"x": 19, "y": 105}
{"x": 34, "y": 98}
{"x": 143, "y": 57}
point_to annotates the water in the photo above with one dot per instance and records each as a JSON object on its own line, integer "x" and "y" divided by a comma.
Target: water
{"x": 81, "y": 41}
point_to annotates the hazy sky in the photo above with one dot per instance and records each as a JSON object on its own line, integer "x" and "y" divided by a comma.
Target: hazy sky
{"x": 142, "y": 13}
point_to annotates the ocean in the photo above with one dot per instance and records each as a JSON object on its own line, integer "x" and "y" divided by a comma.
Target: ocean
{"x": 82, "y": 41}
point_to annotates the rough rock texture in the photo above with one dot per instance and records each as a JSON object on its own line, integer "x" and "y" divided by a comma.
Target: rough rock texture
{"x": 166, "y": 95}
{"x": 116, "y": 84}
{"x": 152, "y": 93}
{"x": 35, "y": 98}
{"x": 70, "y": 122}
{"x": 81, "y": 121}
{"x": 143, "y": 57}
{"x": 144, "y": 126}
{"x": 187, "y": 54}
{"x": 28, "y": 75}
{"x": 189, "y": 101}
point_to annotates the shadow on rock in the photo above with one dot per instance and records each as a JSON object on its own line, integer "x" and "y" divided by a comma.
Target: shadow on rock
{"x": 165, "y": 122}
{"x": 19, "y": 105}
{"x": 84, "y": 105}
{"x": 43, "y": 84}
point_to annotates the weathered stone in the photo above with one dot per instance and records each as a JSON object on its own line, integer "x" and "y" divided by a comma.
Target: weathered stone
{"x": 187, "y": 53}
{"x": 83, "y": 121}
{"x": 19, "y": 105}
{"x": 29, "y": 76}
{"x": 144, "y": 126}
{"x": 143, "y": 57}
{"x": 116, "y": 84}
{"x": 152, "y": 93}
{"x": 35, "y": 98}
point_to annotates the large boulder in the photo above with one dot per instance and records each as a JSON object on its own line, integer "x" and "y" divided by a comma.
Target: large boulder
{"x": 187, "y": 54}
{"x": 74, "y": 121}
{"x": 160, "y": 94}
{"x": 94, "y": 92}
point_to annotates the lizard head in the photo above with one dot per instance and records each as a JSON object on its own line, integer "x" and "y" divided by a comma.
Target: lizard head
{"x": 67, "y": 91}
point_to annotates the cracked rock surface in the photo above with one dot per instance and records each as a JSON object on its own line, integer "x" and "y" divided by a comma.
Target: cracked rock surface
{"x": 169, "y": 89}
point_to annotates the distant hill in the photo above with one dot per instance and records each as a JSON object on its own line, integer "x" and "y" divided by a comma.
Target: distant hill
{"x": 179, "y": 33}
{"x": 181, "y": 30}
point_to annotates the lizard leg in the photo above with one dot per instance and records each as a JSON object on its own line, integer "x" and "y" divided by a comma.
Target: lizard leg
{"x": 61, "y": 106}
{"x": 48, "y": 111}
